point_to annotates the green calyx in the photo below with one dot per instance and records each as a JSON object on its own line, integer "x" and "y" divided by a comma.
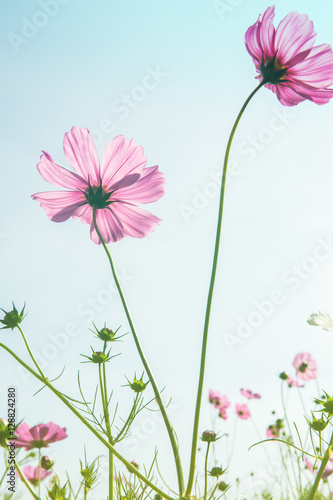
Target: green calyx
{"x": 216, "y": 471}
{"x": 138, "y": 385}
{"x": 272, "y": 72}
{"x": 106, "y": 334}
{"x": 327, "y": 404}
{"x": 96, "y": 197}
{"x": 12, "y": 318}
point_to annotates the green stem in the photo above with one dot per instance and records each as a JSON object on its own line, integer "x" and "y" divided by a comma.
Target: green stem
{"x": 46, "y": 382}
{"x": 210, "y": 296}
{"x": 22, "y": 476}
{"x": 290, "y": 433}
{"x": 206, "y": 471}
{"x": 321, "y": 470}
{"x": 30, "y": 352}
{"x": 39, "y": 460}
{"x": 167, "y": 422}
{"x": 109, "y": 433}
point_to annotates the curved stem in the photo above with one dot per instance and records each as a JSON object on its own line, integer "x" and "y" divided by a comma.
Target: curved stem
{"x": 167, "y": 422}
{"x": 321, "y": 470}
{"x": 109, "y": 433}
{"x": 72, "y": 408}
{"x": 210, "y": 295}
{"x": 30, "y": 352}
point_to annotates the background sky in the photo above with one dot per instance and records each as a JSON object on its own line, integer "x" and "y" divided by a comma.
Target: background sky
{"x": 172, "y": 75}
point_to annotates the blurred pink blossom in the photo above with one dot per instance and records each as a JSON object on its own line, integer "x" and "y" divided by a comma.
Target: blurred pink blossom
{"x": 306, "y": 366}
{"x": 31, "y": 473}
{"x": 249, "y": 394}
{"x": 293, "y": 383}
{"x": 242, "y": 411}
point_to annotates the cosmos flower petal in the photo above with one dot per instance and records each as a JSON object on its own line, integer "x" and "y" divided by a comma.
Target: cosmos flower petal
{"x": 259, "y": 33}
{"x": 121, "y": 157}
{"x": 149, "y": 188}
{"x": 294, "y": 34}
{"x": 109, "y": 226}
{"x": 59, "y": 176}
{"x": 317, "y": 68}
{"x": 81, "y": 153}
{"x": 60, "y": 205}
{"x": 136, "y": 221}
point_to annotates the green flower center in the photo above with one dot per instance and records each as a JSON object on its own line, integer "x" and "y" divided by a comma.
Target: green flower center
{"x": 273, "y": 71}
{"x": 303, "y": 367}
{"x": 97, "y": 197}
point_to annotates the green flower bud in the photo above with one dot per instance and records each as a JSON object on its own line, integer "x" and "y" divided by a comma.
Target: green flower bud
{"x": 208, "y": 436}
{"x": 47, "y": 463}
{"x": 283, "y": 376}
{"x": 223, "y": 486}
{"x": 12, "y": 318}
{"x": 57, "y": 493}
{"x": 318, "y": 424}
{"x": 158, "y": 497}
{"x": 99, "y": 357}
{"x": 216, "y": 472}
{"x": 137, "y": 385}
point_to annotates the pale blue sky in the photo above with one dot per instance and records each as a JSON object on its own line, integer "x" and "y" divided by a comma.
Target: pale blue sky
{"x": 173, "y": 75}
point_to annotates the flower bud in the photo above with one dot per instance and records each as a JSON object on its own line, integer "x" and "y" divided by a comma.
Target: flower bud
{"x": 222, "y": 486}
{"x": 12, "y": 318}
{"x": 216, "y": 472}
{"x": 318, "y": 425}
{"x": 99, "y": 357}
{"x": 157, "y": 497}
{"x": 106, "y": 334}
{"x": 283, "y": 376}
{"x": 208, "y": 436}
{"x": 137, "y": 385}
{"x": 47, "y": 462}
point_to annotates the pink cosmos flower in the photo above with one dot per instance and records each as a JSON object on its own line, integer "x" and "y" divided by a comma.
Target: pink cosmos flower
{"x": 242, "y": 411}
{"x": 112, "y": 188}
{"x": 223, "y": 413}
{"x": 306, "y": 366}
{"x": 272, "y": 432}
{"x": 31, "y": 473}
{"x": 287, "y": 60}
{"x": 293, "y": 383}
{"x": 217, "y": 400}
{"x": 39, "y": 436}
{"x": 249, "y": 394}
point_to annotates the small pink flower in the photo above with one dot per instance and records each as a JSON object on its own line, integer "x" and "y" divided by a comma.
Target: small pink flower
{"x": 272, "y": 432}
{"x": 223, "y": 413}
{"x": 31, "y": 473}
{"x": 218, "y": 401}
{"x": 287, "y": 60}
{"x": 39, "y": 436}
{"x": 293, "y": 383}
{"x": 112, "y": 188}
{"x": 242, "y": 411}
{"x": 306, "y": 367}
{"x": 249, "y": 394}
